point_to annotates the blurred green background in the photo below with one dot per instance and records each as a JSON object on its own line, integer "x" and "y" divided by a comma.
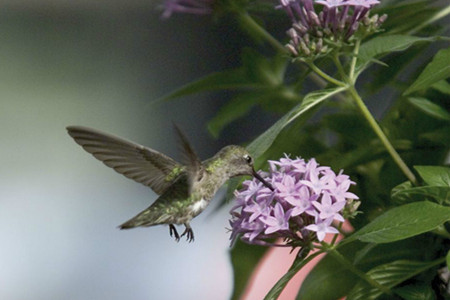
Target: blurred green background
{"x": 100, "y": 64}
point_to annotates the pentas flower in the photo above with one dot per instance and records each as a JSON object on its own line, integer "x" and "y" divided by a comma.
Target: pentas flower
{"x": 197, "y": 7}
{"x": 335, "y": 23}
{"x": 307, "y": 199}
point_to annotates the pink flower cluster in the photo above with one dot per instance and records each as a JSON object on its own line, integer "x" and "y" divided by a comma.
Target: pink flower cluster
{"x": 307, "y": 198}
{"x": 335, "y": 21}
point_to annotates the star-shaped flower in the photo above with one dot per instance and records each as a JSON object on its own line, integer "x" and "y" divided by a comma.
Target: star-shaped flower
{"x": 328, "y": 209}
{"x": 277, "y": 222}
{"x": 322, "y": 228}
{"x": 363, "y": 3}
{"x": 332, "y": 3}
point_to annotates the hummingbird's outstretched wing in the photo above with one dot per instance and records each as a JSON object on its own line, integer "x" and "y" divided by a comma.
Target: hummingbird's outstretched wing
{"x": 194, "y": 166}
{"x": 132, "y": 160}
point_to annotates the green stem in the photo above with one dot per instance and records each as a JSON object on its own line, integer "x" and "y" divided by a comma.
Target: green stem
{"x": 339, "y": 257}
{"x": 376, "y": 128}
{"x": 339, "y": 66}
{"x": 440, "y": 230}
{"x": 353, "y": 62}
{"x": 296, "y": 266}
{"x": 325, "y": 75}
{"x": 252, "y": 26}
{"x": 372, "y": 122}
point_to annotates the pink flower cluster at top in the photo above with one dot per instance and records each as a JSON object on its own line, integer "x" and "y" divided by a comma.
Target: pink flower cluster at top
{"x": 307, "y": 198}
{"x": 335, "y": 20}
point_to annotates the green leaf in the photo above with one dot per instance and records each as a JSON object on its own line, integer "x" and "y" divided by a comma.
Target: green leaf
{"x": 439, "y": 136}
{"x": 416, "y": 292}
{"x": 436, "y": 70}
{"x": 385, "y": 44}
{"x": 402, "y": 222}
{"x": 438, "y": 194}
{"x": 408, "y": 14}
{"x": 434, "y": 175}
{"x": 231, "y": 79}
{"x": 329, "y": 280}
{"x": 442, "y": 86}
{"x": 311, "y": 100}
{"x": 257, "y": 72}
{"x": 389, "y": 275}
{"x": 231, "y": 111}
{"x": 244, "y": 258}
{"x": 430, "y": 108}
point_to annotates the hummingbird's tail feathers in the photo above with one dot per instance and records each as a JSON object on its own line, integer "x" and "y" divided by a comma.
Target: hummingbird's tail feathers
{"x": 126, "y": 225}
{"x": 146, "y": 218}
{"x": 136, "y": 222}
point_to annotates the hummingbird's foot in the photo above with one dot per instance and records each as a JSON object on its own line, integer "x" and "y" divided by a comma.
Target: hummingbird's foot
{"x": 189, "y": 233}
{"x": 173, "y": 231}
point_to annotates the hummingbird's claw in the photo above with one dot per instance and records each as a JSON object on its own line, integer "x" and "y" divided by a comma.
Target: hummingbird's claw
{"x": 173, "y": 231}
{"x": 189, "y": 233}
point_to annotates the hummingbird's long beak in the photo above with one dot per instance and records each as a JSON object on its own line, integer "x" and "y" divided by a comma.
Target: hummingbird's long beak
{"x": 257, "y": 176}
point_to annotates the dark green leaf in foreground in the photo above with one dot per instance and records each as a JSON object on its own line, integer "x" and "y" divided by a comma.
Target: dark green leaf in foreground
{"x": 329, "y": 279}
{"x": 403, "y": 222}
{"x": 436, "y": 70}
{"x": 244, "y": 258}
{"x": 389, "y": 275}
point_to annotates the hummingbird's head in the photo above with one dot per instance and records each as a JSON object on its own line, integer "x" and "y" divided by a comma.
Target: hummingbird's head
{"x": 238, "y": 161}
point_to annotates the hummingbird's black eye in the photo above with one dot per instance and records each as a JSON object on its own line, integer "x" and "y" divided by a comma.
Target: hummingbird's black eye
{"x": 248, "y": 159}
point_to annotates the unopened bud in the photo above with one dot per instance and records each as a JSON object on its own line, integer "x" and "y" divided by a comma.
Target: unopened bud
{"x": 306, "y": 39}
{"x": 382, "y": 19}
{"x": 314, "y": 18}
{"x": 305, "y": 49}
{"x": 319, "y": 45}
{"x": 291, "y": 49}
{"x": 300, "y": 28}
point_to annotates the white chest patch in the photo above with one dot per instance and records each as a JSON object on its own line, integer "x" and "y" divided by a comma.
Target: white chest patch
{"x": 199, "y": 206}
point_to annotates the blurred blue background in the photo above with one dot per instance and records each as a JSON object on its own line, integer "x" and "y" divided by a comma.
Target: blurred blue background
{"x": 100, "y": 64}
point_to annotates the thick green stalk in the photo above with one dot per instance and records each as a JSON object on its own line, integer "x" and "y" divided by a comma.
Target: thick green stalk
{"x": 353, "y": 62}
{"x": 384, "y": 140}
{"x": 372, "y": 122}
{"x": 325, "y": 75}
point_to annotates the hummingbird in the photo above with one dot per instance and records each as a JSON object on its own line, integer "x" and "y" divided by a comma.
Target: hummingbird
{"x": 184, "y": 189}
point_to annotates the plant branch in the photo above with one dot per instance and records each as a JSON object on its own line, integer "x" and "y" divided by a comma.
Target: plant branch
{"x": 384, "y": 140}
{"x": 251, "y": 25}
{"x": 325, "y": 75}
{"x": 353, "y": 62}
